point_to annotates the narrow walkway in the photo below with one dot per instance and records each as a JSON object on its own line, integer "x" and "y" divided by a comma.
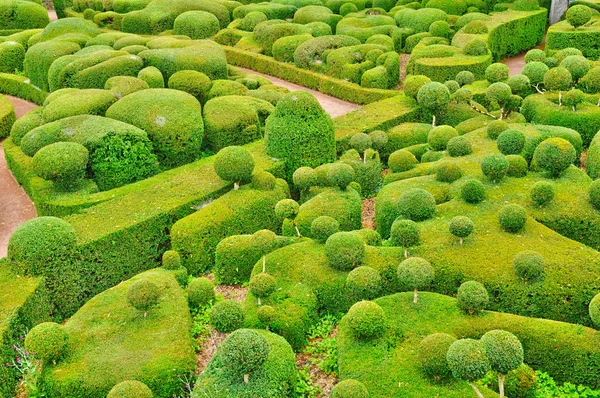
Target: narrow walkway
{"x": 334, "y": 106}
{"x": 515, "y": 64}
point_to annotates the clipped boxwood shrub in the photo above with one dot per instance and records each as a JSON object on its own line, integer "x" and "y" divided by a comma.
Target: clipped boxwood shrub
{"x": 234, "y": 163}
{"x": 432, "y": 355}
{"x": 344, "y": 251}
{"x": 512, "y": 218}
{"x": 196, "y": 24}
{"x": 529, "y": 265}
{"x": 130, "y": 389}
{"x": 47, "y": 341}
{"x": 459, "y": 146}
{"x": 143, "y": 294}
{"x": 171, "y": 260}
{"x": 594, "y": 310}
{"x": 511, "y": 142}
{"x": 349, "y": 388}
{"x": 517, "y": 166}
{"x": 244, "y": 352}
{"x": 594, "y": 194}
{"x": 554, "y": 155}
{"x": 495, "y": 166}
{"x": 439, "y": 136}
{"x": 227, "y": 316}
{"x": 448, "y": 172}
{"x": 323, "y": 227}
{"x": 366, "y": 320}
{"x": 495, "y": 128}
{"x": 201, "y": 292}
{"x": 402, "y": 160}
{"x": 416, "y": 204}
{"x": 542, "y": 193}
{"x": 364, "y": 283}
{"x": 472, "y": 191}
{"x": 472, "y": 297}
{"x": 262, "y": 285}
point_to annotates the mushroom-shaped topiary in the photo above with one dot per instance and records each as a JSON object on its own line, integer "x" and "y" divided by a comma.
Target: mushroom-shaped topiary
{"x": 554, "y": 155}
{"x": 171, "y": 260}
{"x": 304, "y": 178}
{"x": 448, "y": 172}
{"x": 414, "y": 274}
{"x": 323, "y": 227}
{"x": 349, "y": 388}
{"x": 340, "y": 174}
{"x": 201, "y": 292}
{"x": 542, "y": 193}
{"x": 519, "y": 84}
{"x": 511, "y": 142}
{"x": 529, "y": 265}
{"x": 65, "y": 163}
{"x": 432, "y": 354}
{"x": 495, "y": 166}
{"x": 459, "y": 146}
{"x": 500, "y": 93}
{"x": 594, "y": 310}
{"x": 416, "y": 204}
{"x": 130, "y": 389}
{"x": 535, "y": 71}
{"x": 344, "y": 251}
{"x": 47, "y": 341}
{"x": 558, "y": 79}
{"x": 434, "y": 97}
{"x": 521, "y": 382}
{"x": 262, "y": 285}
{"x": 143, "y": 295}
{"x": 39, "y": 242}
{"x": 227, "y": 316}
{"x": 472, "y": 191}
{"x": 402, "y": 160}
{"x": 495, "y": 127}
{"x": 452, "y": 85}
{"x": 363, "y": 283}
{"x": 512, "y": 218}
{"x": 496, "y": 72}
{"x": 505, "y": 353}
{"x": 461, "y": 227}
{"x": 263, "y": 181}
{"x": 286, "y": 210}
{"x": 234, "y": 163}
{"x": 573, "y": 97}
{"x": 468, "y": 361}
{"x": 464, "y": 77}
{"x": 472, "y": 297}
{"x": 577, "y": 65}
{"x": 535, "y": 55}
{"x": 244, "y": 352}
{"x": 439, "y": 136}
{"x": 379, "y": 139}
{"x": 462, "y": 96}
{"x": 593, "y": 195}
{"x": 405, "y": 233}
{"x": 361, "y": 142}
{"x": 266, "y": 315}
{"x": 578, "y": 15}
{"x": 366, "y": 320}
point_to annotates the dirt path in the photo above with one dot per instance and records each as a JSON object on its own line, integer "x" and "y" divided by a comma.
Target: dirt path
{"x": 515, "y": 64}
{"x": 334, "y": 106}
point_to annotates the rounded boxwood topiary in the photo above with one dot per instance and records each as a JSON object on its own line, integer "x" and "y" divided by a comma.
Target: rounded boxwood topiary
{"x": 171, "y": 260}
{"x": 577, "y": 65}
{"x": 363, "y": 283}
{"x": 244, "y": 352}
{"x": 262, "y": 285}
{"x": 434, "y": 97}
{"x": 578, "y": 15}
{"x": 153, "y": 76}
{"x": 263, "y": 181}
{"x": 340, "y": 174}
{"x": 143, "y": 295}
{"x": 464, "y": 77}
{"x": 192, "y": 82}
{"x": 476, "y": 47}
{"x": 440, "y": 29}
{"x": 512, "y": 218}
{"x": 413, "y": 84}
{"x": 529, "y": 265}
{"x": 572, "y": 98}
{"x": 349, "y": 388}
{"x": 347, "y": 8}
{"x": 361, "y": 142}
{"x": 439, "y": 136}
{"x": 594, "y": 310}
{"x": 557, "y": 79}
{"x": 234, "y": 163}
{"x": 130, "y": 389}
{"x": 496, "y": 127}
{"x": 459, "y": 146}
{"x": 452, "y": 85}
{"x": 535, "y": 71}
{"x": 201, "y": 292}
{"x": 463, "y": 96}
{"x": 504, "y": 351}
{"x": 472, "y": 297}
{"x": 472, "y": 191}
{"x": 416, "y": 204}
{"x": 554, "y": 155}
{"x": 379, "y": 139}
{"x": 414, "y": 274}
{"x": 496, "y": 72}
{"x": 266, "y": 314}
{"x": 565, "y": 52}
{"x": 304, "y": 178}
{"x": 47, "y": 341}
{"x": 448, "y": 172}
{"x": 535, "y": 55}
{"x": 511, "y": 142}
{"x": 475, "y": 27}
{"x": 12, "y": 55}
{"x": 461, "y": 227}
{"x": 405, "y": 233}
{"x": 593, "y": 195}
{"x": 517, "y": 166}
{"x": 287, "y": 208}
{"x": 402, "y": 160}
{"x": 521, "y": 383}
{"x": 495, "y": 166}
{"x": 323, "y": 227}
{"x": 499, "y": 92}
{"x": 432, "y": 355}
{"x": 542, "y": 193}
{"x": 227, "y": 316}
{"x": 344, "y": 251}
{"x": 467, "y": 360}
{"x": 519, "y": 84}
{"x": 65, "y": 163}
{"x": 38, "y": 243}
{"x": 366, "y": 320}
{"x": 196, "y": 24}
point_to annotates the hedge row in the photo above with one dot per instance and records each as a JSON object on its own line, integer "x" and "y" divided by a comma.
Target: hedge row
{"x": 7, "y": 116}
{"x": 585, "y": 38}
{"x": 515, "y": 32}
{"x": 593, "y": 158}
{"x": 20, "y": 87}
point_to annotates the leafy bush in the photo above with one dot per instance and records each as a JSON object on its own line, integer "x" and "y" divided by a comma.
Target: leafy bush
{"x": 192, "y": 82}
{"x": 465, "y": 77}
{"x": 432, "y": 355}
{"x": 130, "y": 389}
{"x": 366, "y": 320}
{"x": 476, "y": 47}
{"x": 535, "y": 55}
{"x": 286, "y": 208}
{"x": 535, "y": 71}
{"x": 153, "y": 76}
{"x": 344, "y": 251}
{"x": 511, "y": 142}
{"x": 495, "y": 128}
{"x": 244, "y": 352}
{"x": 439, "y": 136}
{"x": 404, "y": 233}
{"x": 472, "y": 297}
{"x": 416, "y": 204}
{"x": 461, "y": 227}
{"x": 529, "y": 265}
{"x": 434, "y": 97}
{"x": 557, "y": 79}
{"x": 593, "y": 194}
{"x": 201, "y": 292}
{"x": 12, "y": 55}
{"x": 402, "y": 160}
{"x": 227, "y": 316}
{"x": 262, "y": 285}
{"x": 495, "y": 166}
{"x": 519, "y": 84}
{"x": 65, "y": 163}
{"x": 349, "y": 388}
{"x": 171, "y": 260}
{"x": 504, "y": 351}
{"x": 496, "y": 72}
{"x": 340, "y": 174}
{"x": 542, "y": 193}
{"x": 415, "y": 274}
{"x": 473, "y": 191}
{"x": 521, "y": 382}
{"x": 323, "y": 227}
{"x": 143, "y": 295}
{"x": 413, "y": 84}
{"x": 196, "y": 24}
{"x": 448, "y": 172}
{"x": 594, "y": 310}
{"x": 47, "y": 341}
{"x": 512, "y": 218}
{"x": 467, "y": 360}
{"x": 517, "y": 166}
{"x": 234, "y": 163}
{"x": 459, "y": 146}
{"x": 363, "y": 283}
{"x": 578, "y": 15}
{"x": 554, "y": 155}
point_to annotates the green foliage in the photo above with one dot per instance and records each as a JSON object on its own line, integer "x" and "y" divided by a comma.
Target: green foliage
{"x": 366, "y": 320}
{"x": 459, "y": 146}
{"x": 415, "y": 273}
{"x": 227, "y": 316}
{"x": 245, "y": 351}
{"x": 262, "y": 285}
{"x": 529, "y": 265}
{"x": 196, "y": 24}
{"x": 171, "y": 260}
{"x": 496, "y": 72}
{"x": 558, "y": 79}
{"x": 286, "y": 208}
{"x": 404, "y": 233}
{"x": 593, "y": 194}
{"x": 304, "y": 178}
{"x": 554, "y": 155}
{"x": 153, "y": 76}
{"x": 517, "y": 166}
{"x": 349, "y": 388}
{"x": 594, "y": 310}
{"x": 143, "y": 294}
{"x": 130, "y": 389}
{"x": 432, "y": 355}
{"x": 434, "y": 97}
{"x": 323, "y": 227}
{"x": 416, "y": 204}
{"x": 344, "y": 250}
{"x": 439, "y": 136}
{"x": 448, "y": 172}
{"x": 511, "y": 142}
{"x": 535, "y": 71}
{"x": 47, "y": 341}
{"x": 192, "y": 82}
{"x": 413, "y": 84}
{"x": 512, "y": 218}
{"x": 461, "y": 226}
{"x": 62, "y": 162}
{"x": 402, "y": 160}
{"x": 363, "y": 283}
{"x": 542, "y": 193}
{"x": 472, "y": 191}
{"x": 494, "y": 128}
{"x": 467, "y": 360}
{"x": 573, "y": 97}
{"x": 519, "y": 84}
{"x": 472, "y": 297}
{"x": 125, "y": 85}
{"x": 234, "y": 163}
{"x": 465, "y": 77}
{"x": 578, "y": 15}
{"x": 535, "y": 55}
{"x": 499, "y": 92}
{"x": 495, "y": 166}
{"x": 476, "y": 47}
{"x": 577, "y": 65}
{"x": 340, "y": 174}
{"x": 12, "y": 55}
{"x": 201, "y": 292}
{"x": 361, "y": 142}
{"x": 503, "y": 349}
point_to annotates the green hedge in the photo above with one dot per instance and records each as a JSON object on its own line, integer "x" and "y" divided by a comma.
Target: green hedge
{"x": 22, "y": 14}
{"x": 593, "y": 158}
{"x": 512, "y": 32}
{"x": 20, "y": 87}
{"x": 7, "y": 116}
{"x": 563, "y": 35}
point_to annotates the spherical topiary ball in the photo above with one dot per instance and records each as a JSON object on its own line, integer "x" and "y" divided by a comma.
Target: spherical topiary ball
{"x": 517, "y": 166}
{"x": 472, "y": 297}
{"x": 476, "y": 47}
{"x": 402, "y": 160}
{"x": 404, "y": 233}
{"x": 171, "y": 260}
{"x": 227, "y": 316}
{"x": 413, "y": 84}
{"x": 565, "y": 52}
{"x": 577, "y": 65}
{"x": 472, "y": 191}
{"x": 266, "y": 314}
{"x": 463, "y": 95}
{"x": 535, "y": 55}
{"x": 304, "y": 178}
{"x": 143, "y": 294}
{"x": 499, "y": 92}
{"x": 263, "y": 181}
{"x": 234, "y": 163}
{"x": 572, "y": 98}
{"x": 448, "y": 172}
{"x": 558, "y": 79}
{"x": 415, "y": 273}
{"x": 38, "y": 242}
{"x": 459, "y": 146}
{"x": 416, "y": 204}
{"x": 511, "y": 142}
{"x": 593, "y": 194}
{"x": 439, "y": 136}
{"x": 542, "y": 193}
{"x": 461, "y": 227}
{"x": 496, "y": 127}
{"x": 475, "y": 27}
{"x": 440, "y": 29}
{"x": 344, "y": 251}
{"x": 286, "y": 208}
{"x": 196, "y": 24}
{"x": 379, "y": 139}
{"x": 130, "y": 389}
{"x": 521, "y": 383}
{"x": 340, "y": 174}
{"x": 348, "y": 8}
{"x": 464, "y": 77}
{"x": 503, "y": 349}
{"x": 535, "y": 71}
{"x": 47, "y": 341}
{"x": 467, "y": 360}
{"x": 452, "y": 86}
{"x": 363, "y": 283}
{"x": 323, "y": 227}
{"x": 349, "y": 388}
{"x": 65, "y": 163}
{"x": 512, "y": 218}
{"x": 495, "y": 166}
{"x": 554, "y": 155}
{"x": 579, "y": 15}
{"x": 366, "y": 320}
{"x": 594, "y": 310}
{"x": 496, "y": 72}
{"x": 201, "y": 292}
{"x": 262, "y": 285}
{"x": 244, "y": 352}
{"x": 529, "y": 265}
{"x": 361, "y": 142}
{"x": 432, "y": 354}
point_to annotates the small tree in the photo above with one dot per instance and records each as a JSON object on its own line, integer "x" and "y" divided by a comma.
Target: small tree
{"x": 304, "y": 178}
{"x": 505, "y": 353}
{"x": 361, "y": 142}
{"x": 262, "y": 285}
{"x": 554, "y": 155}
{"x": 573, "y": 98}
{"x": 244, "y": 352}
{"x": 234, "y": 163}
{"x": 413, "y": 84}
{"x": 287, "y": 209}
{"x": 340, "y": 174}
{"x": 495, "y": 166}
{"x": 501, "y": 93}
{"x": 405, "y": 233}
{"x": 379, "y": 139}
{"x": 558, "y": 79}
{"x": 143, "y": 295}
{"x": 415, "y": 273}
{"x": 578, "y": 15}
{"x": 472, "y": 297}
{"x": 535, "y": 71}
{"x": 461, "y": 227}
{"x": 467, "y": 361}
{"x": 434, "y": 97}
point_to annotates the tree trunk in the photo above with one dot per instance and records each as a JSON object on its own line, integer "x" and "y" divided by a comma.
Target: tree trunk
{"x": 479, "y": 394}
{"x": 236, "y": 186}
{"x": 461, "y": 241}
{"x": 501, "y": 384}
{"x": 247, "y": 379}
{"x": 264, "y": 263}
{"x": 560, "y": 98}
{"x": 433, "y": 123}
{"x": 259, "y": 302}
{"x": 415, "y": 296}
{"x": 297, "y": 231}
{"x": 501, "y": 113}
{"x": 406, "y": 252}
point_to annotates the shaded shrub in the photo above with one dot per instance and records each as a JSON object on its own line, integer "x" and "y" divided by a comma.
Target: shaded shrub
{"x": 512, "y": 218}
{"x": 432, "y": 355}
{"x": 344, "y": 251}
{"x": 416, "y": 204}
{"x": 473, "y": 191}
{"x": 366, "y": 320}
{"x": 201, "y": 292}
{"x": 529, "y": 265}
{"x": 472, "y": 297}
{"x": 47, "y": 341}
{"x": 542, "y": 193}
{"x": 227, "y": 316}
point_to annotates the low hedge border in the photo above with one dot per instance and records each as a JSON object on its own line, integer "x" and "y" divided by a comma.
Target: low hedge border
{"x": 7, "y": 116}
{"x": 563, "y": 35}
{"x": 19, "y": 86}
